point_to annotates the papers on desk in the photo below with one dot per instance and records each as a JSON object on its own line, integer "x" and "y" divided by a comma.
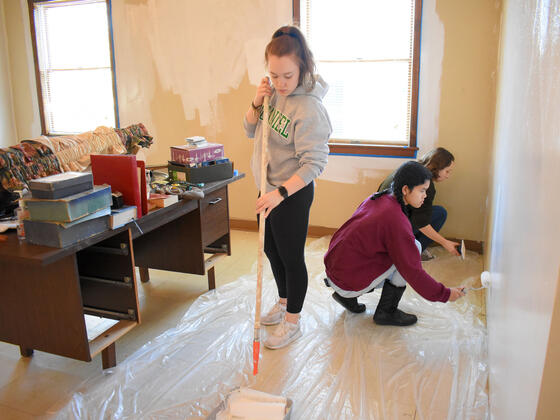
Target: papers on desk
{"x": 6, "y": 224}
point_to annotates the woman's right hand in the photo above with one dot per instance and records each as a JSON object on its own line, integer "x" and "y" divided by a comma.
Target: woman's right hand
{"x": 456, "y": 293}
{"x": 264, "y": 89}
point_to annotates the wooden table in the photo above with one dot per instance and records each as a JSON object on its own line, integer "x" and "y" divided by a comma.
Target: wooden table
{"x": 45, "y": 292}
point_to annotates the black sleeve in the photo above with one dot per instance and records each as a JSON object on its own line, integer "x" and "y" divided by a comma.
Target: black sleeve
{"x": 386, "y": 183}
{"x": 422, "y": 216}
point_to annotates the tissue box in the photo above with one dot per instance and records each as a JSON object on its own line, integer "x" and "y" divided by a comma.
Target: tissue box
{"x": 197, "y": 154}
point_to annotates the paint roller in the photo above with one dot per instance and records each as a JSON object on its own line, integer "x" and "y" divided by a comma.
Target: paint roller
{"x": 260, "y": 258}
{"x": 484, "y": 279}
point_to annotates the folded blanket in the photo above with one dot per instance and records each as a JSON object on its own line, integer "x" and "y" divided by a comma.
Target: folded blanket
{"x": 44, "y": 156}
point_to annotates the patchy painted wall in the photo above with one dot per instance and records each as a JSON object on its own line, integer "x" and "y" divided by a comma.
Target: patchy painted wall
{"x": 191, "y": 68}
{"x": 524, "y": 257}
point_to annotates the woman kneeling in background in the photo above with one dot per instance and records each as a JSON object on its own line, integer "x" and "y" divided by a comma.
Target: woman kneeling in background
{"x": 377, "y": 246}
{"x": 428, "y": 219}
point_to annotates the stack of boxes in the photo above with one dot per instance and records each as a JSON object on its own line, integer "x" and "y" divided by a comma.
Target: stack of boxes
{"x": 199, "y": 161}
{"x": 66, "y": 208}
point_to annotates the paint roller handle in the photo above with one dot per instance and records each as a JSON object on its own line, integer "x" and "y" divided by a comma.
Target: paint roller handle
{"x": 484, "y": 280}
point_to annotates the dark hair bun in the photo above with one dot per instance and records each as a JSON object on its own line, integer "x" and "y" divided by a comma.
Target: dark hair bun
{"x": 410, "y": 174}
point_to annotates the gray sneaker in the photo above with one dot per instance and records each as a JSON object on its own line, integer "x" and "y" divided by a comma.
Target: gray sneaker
{"x": 284, "y": 334}
{"x": 275, "y": 315}
{"x": 427, "y": 255}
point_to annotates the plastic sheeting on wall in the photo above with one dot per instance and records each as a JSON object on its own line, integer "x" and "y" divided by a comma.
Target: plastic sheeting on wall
{"x": 344, "y": 366}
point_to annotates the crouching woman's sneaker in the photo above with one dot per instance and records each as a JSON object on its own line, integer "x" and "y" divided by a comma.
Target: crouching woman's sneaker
{"x": 284, "y": 334}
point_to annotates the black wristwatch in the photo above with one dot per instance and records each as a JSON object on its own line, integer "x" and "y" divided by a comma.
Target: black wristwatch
{"x": 283, "y": 191}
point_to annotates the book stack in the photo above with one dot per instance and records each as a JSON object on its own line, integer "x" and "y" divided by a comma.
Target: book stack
{"x": 199, "y": 161}
{"x": 66, "y": 208}
{"x": 159, "y": 201}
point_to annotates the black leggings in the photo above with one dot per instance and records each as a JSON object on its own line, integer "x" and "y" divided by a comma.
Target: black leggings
{"x": 284, "y": 244}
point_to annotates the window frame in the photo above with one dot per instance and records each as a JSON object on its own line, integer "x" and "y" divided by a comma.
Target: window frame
{"x": 386, "y": 150}
{"x": 44, "y": 130}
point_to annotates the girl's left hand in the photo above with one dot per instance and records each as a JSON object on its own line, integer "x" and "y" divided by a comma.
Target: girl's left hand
{"x": 268, "y": 201}
{"x": 451, "y": 247}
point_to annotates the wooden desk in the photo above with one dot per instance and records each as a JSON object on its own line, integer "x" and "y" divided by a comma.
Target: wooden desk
{"x": 45, "y": 292}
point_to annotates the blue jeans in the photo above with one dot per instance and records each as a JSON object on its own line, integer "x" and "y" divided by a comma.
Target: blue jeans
{"x": 439, "y": 215}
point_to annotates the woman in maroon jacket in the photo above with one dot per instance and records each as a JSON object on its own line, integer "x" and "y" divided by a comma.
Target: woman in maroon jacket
{"x": 376, "y": 246}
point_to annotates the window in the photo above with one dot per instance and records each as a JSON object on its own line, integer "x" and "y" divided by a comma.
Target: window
{"x": 368, "y": 52}
{"x": 74, "y": 64}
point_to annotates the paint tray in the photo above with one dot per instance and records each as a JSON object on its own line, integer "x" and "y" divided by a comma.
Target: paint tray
{"x": 213, "y": 415}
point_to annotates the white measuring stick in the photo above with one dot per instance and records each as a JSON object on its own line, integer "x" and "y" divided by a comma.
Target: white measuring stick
{"x": 260, "y": 258}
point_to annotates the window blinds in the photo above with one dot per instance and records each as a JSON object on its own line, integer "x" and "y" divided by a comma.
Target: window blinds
{"x": 74, "y": 58}
{"x": 364, "y": 51}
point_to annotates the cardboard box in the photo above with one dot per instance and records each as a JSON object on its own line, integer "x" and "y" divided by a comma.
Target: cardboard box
{"x": 217, "y": 172}
{"x": 193, "y": 154}
{"x": 61, "y": 185}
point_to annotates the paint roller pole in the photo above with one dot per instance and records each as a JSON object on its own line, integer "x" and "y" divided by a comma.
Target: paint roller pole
{"x": 264, "y": 165}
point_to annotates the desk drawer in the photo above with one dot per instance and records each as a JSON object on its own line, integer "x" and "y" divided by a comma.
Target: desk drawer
{"x": 107, "y": 278}
{"x": 214, "y": 216}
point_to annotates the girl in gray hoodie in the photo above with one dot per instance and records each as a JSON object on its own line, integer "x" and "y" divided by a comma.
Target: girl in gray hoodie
{"x": 299, "y": 131}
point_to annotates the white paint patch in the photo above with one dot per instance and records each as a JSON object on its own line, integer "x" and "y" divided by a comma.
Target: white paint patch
{"x": 201, "y": 49}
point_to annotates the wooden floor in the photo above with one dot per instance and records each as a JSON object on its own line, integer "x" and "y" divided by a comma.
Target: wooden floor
{"x": 37, "y": 387}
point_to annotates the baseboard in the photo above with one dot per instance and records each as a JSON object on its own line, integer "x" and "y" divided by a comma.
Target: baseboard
{"x": 320, "y": 231}
{"x": 251, "y": 226}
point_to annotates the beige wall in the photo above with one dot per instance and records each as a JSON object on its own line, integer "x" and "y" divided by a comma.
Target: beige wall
{"x": 524, "y": 258}
{"x": 466, "y": 112}
{"x": 7, "y": 122}
{"x": 190, "y": 68}
{"x": 22, "y": 72}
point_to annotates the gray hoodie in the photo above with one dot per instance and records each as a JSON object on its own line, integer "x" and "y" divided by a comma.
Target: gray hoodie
{"x": 299, "y": 131}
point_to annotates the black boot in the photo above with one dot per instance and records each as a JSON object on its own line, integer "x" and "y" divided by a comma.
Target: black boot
{"x": 387, "y": 312}
{"x": 350, "y": 303}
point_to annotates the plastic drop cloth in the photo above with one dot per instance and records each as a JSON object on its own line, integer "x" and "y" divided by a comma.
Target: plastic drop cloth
{"x": 344, "y": 366}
